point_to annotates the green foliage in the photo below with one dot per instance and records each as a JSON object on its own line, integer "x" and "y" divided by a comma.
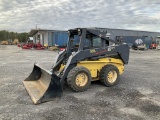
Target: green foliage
{"x": 5, "y": 35}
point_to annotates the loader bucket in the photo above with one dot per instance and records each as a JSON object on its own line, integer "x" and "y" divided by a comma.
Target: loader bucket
{"x": 42, "y": 85}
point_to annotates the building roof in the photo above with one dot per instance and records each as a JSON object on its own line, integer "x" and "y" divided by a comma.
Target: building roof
{"x": 125, "y": 29}
{"x": 34, "y": 31}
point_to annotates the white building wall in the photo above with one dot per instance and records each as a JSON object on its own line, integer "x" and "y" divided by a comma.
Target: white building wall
{"x": 46, "y": 38}
{"x": 41, "y": 39}
{"x": 34, "y": 41}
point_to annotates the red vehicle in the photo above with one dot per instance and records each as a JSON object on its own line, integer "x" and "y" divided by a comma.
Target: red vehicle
{"x": 25, "y": 46}
{"x": 39, "y": 46}
{"x": 28, "y": 45}
{"x": 20, "y": 44}
{"x": 153, "y": 46}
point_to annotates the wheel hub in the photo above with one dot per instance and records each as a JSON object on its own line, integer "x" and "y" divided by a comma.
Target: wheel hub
{"x": 81, "y": 79}
{"x": 112, "y": 76}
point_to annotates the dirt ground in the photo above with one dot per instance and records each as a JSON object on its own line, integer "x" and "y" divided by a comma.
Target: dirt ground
{"x": 136, "y": 97}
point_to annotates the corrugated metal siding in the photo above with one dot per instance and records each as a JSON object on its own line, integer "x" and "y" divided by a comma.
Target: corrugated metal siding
{"x": 60, "y": 38}
{"x": 131, "y": 40}
{"x": 50, "y": 43}
{"x": 121, "y": 32}
{"x": 148, "y": 41}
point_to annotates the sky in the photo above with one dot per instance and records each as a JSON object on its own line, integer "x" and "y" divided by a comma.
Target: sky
{"x": 24, "y": 15}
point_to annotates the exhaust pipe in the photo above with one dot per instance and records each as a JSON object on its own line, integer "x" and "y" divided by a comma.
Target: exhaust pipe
{"x": 42, "y": 85}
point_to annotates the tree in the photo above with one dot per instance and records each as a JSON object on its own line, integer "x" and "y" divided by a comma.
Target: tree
{"x": 5, "y": 35}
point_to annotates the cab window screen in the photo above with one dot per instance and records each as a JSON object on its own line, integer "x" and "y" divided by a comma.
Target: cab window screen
{"x": 96, "y": 42}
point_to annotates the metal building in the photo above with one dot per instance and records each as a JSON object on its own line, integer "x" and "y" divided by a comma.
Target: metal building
{"x": 122, "y": 32}
{"x": 49, "y": 37}
{"x": 130, "y": 36}
{"x": 58, "y": 37}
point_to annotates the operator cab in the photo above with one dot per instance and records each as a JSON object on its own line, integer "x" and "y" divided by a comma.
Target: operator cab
{"x": 90, "y": 41}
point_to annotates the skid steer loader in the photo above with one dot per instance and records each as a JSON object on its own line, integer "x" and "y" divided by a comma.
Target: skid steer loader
{"x": 87, "y": 57}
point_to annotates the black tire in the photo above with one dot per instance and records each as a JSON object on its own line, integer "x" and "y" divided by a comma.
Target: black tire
{"x": 74, "y": 73}
{"x": 104, "y": 75}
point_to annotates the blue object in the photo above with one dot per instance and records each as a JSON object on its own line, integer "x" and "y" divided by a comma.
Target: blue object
{"x": 60, "y": 38}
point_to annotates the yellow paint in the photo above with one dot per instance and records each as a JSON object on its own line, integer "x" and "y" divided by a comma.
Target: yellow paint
{"x": 92, "y": 51}
{"x": 4, "y": 42}
{"x": 112, "y": 76}
{"x": 81, "y": 79}
{"x": 15, "y": 42}
{"x": 62, "y": 67}
{"x": 95, "y": 66}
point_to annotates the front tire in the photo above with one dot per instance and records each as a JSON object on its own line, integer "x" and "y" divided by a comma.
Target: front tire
{"x": 109, "y": 75}
{"x": 79, "y": 79}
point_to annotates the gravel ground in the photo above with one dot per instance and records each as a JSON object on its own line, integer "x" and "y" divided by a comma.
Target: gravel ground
{"x": 137, "y": 96}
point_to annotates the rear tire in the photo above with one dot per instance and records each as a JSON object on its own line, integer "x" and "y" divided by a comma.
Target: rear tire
{"x": 109, "y": 75}
{"x": 79, "y": 79}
